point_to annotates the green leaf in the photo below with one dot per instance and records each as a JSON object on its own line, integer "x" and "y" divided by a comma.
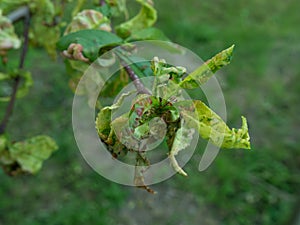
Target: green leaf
{"x": 30, "y": 154}
{"x": 212, "y": 127}
{"x": 150, "y": 33}
{"x": 92, "y": 42}
{"x": 203, "y": 73}
{"x": 117, "y": 7}
{"x": 103, "y": 121}
{"x": 144, "y": 19}
{"x": 3, "y": 142}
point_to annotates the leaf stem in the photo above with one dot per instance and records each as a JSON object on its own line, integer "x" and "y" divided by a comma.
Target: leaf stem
{"x": 21, "y": 13}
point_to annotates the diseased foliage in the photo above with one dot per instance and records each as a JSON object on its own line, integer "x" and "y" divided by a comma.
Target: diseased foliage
{"x": 155, "y": 113}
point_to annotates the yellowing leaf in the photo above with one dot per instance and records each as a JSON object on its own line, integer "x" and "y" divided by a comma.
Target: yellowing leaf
{"x": 213, "y": 128}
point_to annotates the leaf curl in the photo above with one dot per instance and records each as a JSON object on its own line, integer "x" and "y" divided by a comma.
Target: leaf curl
{"x": 210, "y": 126}
{"x": 146, "y": 17}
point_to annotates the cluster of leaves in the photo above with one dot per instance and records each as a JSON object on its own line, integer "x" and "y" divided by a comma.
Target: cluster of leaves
{"x": 132, "y": 132}
{"x": 44, "y": 30}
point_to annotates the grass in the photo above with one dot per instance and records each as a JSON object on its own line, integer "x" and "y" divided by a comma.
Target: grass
{"x": 259, "y": 186}
{"x": 241, "y": 187}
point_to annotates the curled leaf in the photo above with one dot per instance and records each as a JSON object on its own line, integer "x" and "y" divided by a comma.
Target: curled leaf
{"x": 203, "y": 73}
{"x": 146, "y": 17}
{"x": 92, "y": 41}
{"x": 103, "y": 120}
{"x": 88, "y": 19}
{"x": 182, "y": 140}
{"x": 212, "y": 127}
{"x": 75, "y": 52}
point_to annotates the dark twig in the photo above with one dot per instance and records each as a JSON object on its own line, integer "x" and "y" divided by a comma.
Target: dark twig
{"x": 11, "y": 103}
{"x": 102, "y": 2}
{"x": 136, "y": 80}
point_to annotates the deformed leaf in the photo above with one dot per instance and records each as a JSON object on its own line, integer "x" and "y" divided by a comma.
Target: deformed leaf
{"x": 212, "y": 127}
{"x": 31, "y": 153}
{"x": 116, "y": 7}
{"x": 203, "y": 73}
{"x": 88, "y": 19}
{"x": 92, "y": 41}
{"x": 103, "y": 120}
{"x": 182, "y": 140}
{"x": 146, "y": 17}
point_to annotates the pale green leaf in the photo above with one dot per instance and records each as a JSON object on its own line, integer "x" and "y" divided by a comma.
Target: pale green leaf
{"x": 103, "y": 120}
{"x": 182, "y": 140}
{"x": 31, "y": 153}
{"x": 88, "y": 19}
{"x": 146, "y": 17}
{"x": 212, "y": 127}
{"x": 203, "y": 73}
{"x": 3, "y": 142}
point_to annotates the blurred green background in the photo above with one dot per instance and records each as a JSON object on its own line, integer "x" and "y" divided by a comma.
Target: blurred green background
{"x": 241, "y": 187}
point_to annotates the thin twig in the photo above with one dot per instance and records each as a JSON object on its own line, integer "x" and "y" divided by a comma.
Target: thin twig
{"x": 18, "y": 14}
{"x": 10, "y": 106}
{"x": 102, "y": 2}
{"x": 136, "y": 80}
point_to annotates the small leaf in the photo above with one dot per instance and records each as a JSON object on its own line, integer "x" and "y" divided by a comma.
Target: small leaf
{"x": 31, "y": 153}
{"x": 92, "y": 42}
{"x": 203, "y": 73}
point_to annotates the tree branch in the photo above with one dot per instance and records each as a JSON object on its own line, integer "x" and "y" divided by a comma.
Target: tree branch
{"x": 16, "y": 15}
{"x": 136, "y": 80}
